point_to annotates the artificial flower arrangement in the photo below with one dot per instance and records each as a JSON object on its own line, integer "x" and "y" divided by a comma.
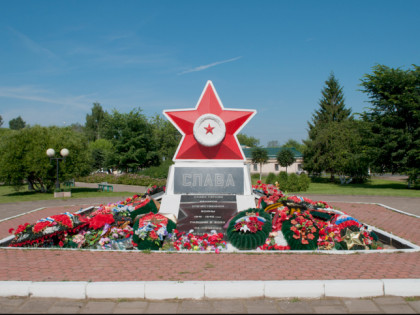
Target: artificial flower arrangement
{"x": 301, "y": 231}
{"x": 47, "y": 231}
{"x": 183, "y": 241}
{"x": 310, "y": 225}
{"x": 275, "y": 241}
{"x": 249, "y": 229}
{"x": 142, "y": 205}
{"x": 108, "y": 227}
{"x": 150, "y": 230}
{"x": 280, "y": 223}
{"x": 271, "y": 194}
{"x": 155, "y": 190}
{"x": 117, "y": 237}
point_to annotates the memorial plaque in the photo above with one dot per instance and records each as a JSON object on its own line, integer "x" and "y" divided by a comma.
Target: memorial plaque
{"x": 209, "y": 180}
{"x": 203, "y": 213}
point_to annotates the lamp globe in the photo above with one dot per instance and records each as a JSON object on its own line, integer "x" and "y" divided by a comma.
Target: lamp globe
{"x": 50, "y": 152}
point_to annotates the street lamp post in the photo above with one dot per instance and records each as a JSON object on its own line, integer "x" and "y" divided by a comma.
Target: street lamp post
{"x": 51, "y": 153}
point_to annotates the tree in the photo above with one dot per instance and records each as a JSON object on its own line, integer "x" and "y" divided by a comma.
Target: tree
{"x": 332, "y": 107}
{"x": 23, "y": 156}
{"x": 247, "y": 140}
{"x": 166, "y": 137}
{"x": 291, "y": 143}
{"x": 77, "y": 127}
{"x": 319, "y": 155}
{"x": 132, "y": 138}
{"x": 101, "y": 152}
{"x": 1, "y": 121}
{"x": 95, "y": 122}
{"x": 17, "y": 123}
{"x": 338, "y": 149}
{"x": 394, "y": 119}
{"x": 273, "y": 144}
{"x": 285, "y": 157}
{"x": 260, "y": 156}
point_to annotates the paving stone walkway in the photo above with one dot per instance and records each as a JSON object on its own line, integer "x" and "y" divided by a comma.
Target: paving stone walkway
{"x": 380, "y": 305}
{"x": 62, "y": 265}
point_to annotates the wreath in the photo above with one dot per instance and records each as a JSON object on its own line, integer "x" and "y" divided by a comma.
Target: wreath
{"x": 249, "y": 229}
{"x": 142, "y": 206}
{"x": 150, "y": 231}
{"x": 301, "y": 231}
{"x": 47, "y": 230}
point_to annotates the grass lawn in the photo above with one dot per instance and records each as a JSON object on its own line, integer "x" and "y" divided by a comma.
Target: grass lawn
{"x": 8, "y": 194}
{"x": 378, "y": 187}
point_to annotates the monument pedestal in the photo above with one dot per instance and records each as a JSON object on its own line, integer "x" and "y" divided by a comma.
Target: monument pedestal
{"x": 203, "y": 196}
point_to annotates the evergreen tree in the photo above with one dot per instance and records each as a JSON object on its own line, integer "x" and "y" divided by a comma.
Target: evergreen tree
{"x": 1, "y": 121}
{"x": 332, "y": 107}
{"x": 318, "y": 154}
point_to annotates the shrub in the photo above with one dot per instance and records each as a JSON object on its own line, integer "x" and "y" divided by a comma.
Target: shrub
{"x": 293, "y": 183}
{"x": 271, "y": 178}
{"x": 304, "y": 182}
{"x": 282, "y": 180}
{"x": 160, "y": 171}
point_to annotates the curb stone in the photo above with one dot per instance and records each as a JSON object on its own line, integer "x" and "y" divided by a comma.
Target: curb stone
{"x": 161, "y": 290}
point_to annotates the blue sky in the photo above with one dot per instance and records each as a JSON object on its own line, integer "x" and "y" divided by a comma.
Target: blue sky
{"x": 59, "y": 57}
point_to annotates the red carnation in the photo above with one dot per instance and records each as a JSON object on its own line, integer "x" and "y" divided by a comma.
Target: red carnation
{"x": 99, "y": 220}
{"x": 153, "y": 235}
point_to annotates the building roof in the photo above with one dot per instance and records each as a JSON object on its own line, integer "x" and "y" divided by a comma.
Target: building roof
{"x": 272, "y": 152}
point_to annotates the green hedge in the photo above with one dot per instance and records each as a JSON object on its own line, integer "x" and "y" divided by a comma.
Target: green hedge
{"x": 160, "y": 171}
{"x": 125, "y": 179}
{"x": 292, "y": 182}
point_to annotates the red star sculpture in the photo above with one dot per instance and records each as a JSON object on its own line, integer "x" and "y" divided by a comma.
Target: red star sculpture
{"x": 219, "y": 143}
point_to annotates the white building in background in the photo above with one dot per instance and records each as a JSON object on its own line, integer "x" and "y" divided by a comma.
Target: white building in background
{"x": 272, "y": 166}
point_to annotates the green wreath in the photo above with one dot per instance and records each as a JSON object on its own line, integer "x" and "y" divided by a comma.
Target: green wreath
{"x": 143, "y": 208}
{"x": 246, "y": 240}
{"x": 143, "y": 244}
{"x": 296, "y": 244}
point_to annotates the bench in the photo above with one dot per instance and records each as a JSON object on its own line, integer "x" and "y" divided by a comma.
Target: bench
{"x": 69, "y": 183}
{"x": 103, "y": 186}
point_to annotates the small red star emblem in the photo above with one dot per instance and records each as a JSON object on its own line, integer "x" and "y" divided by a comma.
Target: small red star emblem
{"x": 209, "y": 103}
{"x": 209, "y": 129}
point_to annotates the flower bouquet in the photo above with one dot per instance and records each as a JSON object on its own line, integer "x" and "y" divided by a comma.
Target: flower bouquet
{"x": 180, "y": 241}
{"x": 249, "y": 229}
{"x": 117, "y": 237}
{"x": 271, "y": 194}
{"x": 150, "y": 231}
{"x": 47, "y": 231}
{"x": 275, "y": 241}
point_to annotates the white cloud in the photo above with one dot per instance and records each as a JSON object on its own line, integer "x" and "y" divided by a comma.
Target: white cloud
{"x": 204, "y": 67}
{"x": 32, "y": 45}
{"x": 30, "y": 93}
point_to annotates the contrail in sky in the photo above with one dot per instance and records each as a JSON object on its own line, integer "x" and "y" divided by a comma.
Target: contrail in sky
{"x": 204, "y": 67}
